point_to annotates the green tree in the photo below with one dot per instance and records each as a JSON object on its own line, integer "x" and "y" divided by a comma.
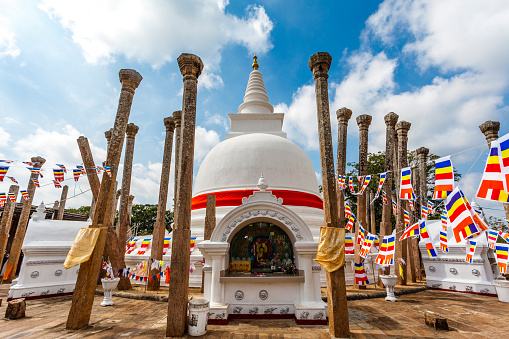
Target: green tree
{"x": 85, "y": 210}
{"x": 144, "y": 216}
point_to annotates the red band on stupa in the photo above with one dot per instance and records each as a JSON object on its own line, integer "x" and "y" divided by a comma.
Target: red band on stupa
{"x": 234, "y": 198}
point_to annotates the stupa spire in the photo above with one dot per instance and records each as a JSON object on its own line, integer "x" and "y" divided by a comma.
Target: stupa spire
{"x": 256, "y": 99}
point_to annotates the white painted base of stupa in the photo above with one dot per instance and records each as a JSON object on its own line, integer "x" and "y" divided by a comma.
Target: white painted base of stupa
{"x": 449, "y": 271}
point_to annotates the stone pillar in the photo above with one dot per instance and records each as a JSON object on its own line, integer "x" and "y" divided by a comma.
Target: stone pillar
{"x": 160, "y": 224}
{"x": 363, "y": 121}
{"x": 83, "y": 296}
{"x": 114, "y": 205}
{"x": 177, "y": 118}
{"x": 191, "y": 67}
{"x": 413, "y": 244}
{"x": 90, "y": 168}
{"x": 319, "y": 64}
{"x": 390, "y": 122}
{"x": 343, "y": 115}
{"x": 402, "y": 128}
{"x": 55, "y": 210}
{"x": 23, "y": 222}
{"x": 490, "y": 130}
{"x": 5, "y": 222}
{"x": 372, "y": 212}
{"x": 108, "y": 135}
{"x": 210, "y": 217}
{"x": 130, "y": 208}
{"x": 123, "y": 220}
{"x": 61, "y": 204}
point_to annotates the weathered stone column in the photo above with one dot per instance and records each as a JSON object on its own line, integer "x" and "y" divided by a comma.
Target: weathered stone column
{"x": 114, "y": 205}
{"x": 422, "y": 188}
{"x": 490, "y": 130}
{"x": 55, "y": 210}
{"x": 402, "y": 128}
{"x": 319, "y": 64}
{"x": 413, "y": 244}
{"x": 177, "y": 118}
{"x": 90, "y": 168}
{"x": 83, "y": 297}
{"x": 123, "y": 219}
{"x": 372, "y": 211}
{"x": 130, "y": 208}
{"x": 61, "y": 204}
{"x": 367, "y": 192}
{"x": 5, "y": 222}
{"x": 23, "y": 222}
{"x": 160, "y": 224}
{"x": 343, "y": 115}
{"x": 191, "y": 67}
{"x": 363, "y": 121}
{"x": 108, "y": 135}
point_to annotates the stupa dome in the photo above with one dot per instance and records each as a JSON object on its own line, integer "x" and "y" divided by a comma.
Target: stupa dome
{"x": 236, "y": 164}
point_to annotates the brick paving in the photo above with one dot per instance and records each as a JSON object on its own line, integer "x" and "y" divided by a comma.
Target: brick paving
{"x": 469, "y": 316}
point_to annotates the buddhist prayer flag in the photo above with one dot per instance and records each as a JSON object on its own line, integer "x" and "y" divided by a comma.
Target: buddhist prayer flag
{"x": 349, "y": 246}
{"x": 504, "y": 235}
{"x": 3, "y": 172}
{"x": 386, "y": 255}
{"x": 166, "y": 245}
{"x": 348, "y": 210}
{"x": 24, "y": 194}
{"x": 394, "y": 208}
{"x": 411, "y": 203}
{"x": 471, "y": 244}
{"x": 341, "y": 181}
{"x": 492, "y": 185}
{"x": 430, "y": 207}
{"x": 460, "y": 217}
{"x": 108, "y": 170}
{"x": 361, "y": 278}
{"x": 406, "y": 217}
{"x": 411, "y": 231}
{"x": 3, "y": 198}
{"x": 504, "y": 159}
{"x": 62, "y": 167}
{"x": 406, "y": 192}
{"x": 492, "y": 238}
{"x": 193, "y": 241}
{"x": 401, "y": 272}
{"x": 35, "y": 170}
{"x": 384, "y": 198}
{"x": 82, "y": 169}
{"x": 57, "y": 184}
{"x": 443, "y": 233}
{"x": 380, "y": 184}
{"x": 7, "y": 161}
{"x": 367, "y": 244}
{"x": 360, "y": 235}
{"x": 12, "y": 197}
{"x": 76, "y": 174}
{"x": 424, "y": 212}
{"x": 350, "y": 186}
{"x": 427, "y": 239}
{"x": 502, "y": 257}
{"x": 365, "y": 183}
{"x": 29, "y": 163}
{"x": 13, "y": 180}
{"x": 351, "y": 221}
{"x": 144, "y": 246}
{"x": 444, "y": 178}
{"x": 59, "y": 174}
{"x": 36, "y": 182}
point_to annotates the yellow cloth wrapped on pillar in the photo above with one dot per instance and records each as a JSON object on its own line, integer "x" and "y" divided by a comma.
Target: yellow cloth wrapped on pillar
{"x": 82, "y": 247}
{"x": 331, "y": 248}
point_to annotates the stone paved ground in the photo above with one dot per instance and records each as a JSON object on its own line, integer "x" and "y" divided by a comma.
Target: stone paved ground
{"x": 469, "y": 316}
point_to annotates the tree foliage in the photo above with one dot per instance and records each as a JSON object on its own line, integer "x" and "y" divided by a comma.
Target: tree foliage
{"x": 376, "y": 165}
{"x": 85, "y": 210}
{"x": 144, "y": 216}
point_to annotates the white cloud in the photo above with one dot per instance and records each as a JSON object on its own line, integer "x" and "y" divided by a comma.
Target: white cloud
{"x": 8, "y": 45}
{"x": 205, "y": 140}
{"x": 452, "y": 34}
{"x": 4, "y": 137}
{"x": 216, "y": 119}
{"x": 158, "y": 31}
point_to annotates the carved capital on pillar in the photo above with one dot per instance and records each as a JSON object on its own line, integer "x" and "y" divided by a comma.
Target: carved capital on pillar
{"x": 119, "y": 192}
{"x": 319, "y": 63}
{"x": 402, "y": 128}
{"x": 490, "y": 130}
{"x": 364, "y": 120}
{"x": 39, "y": 160}
{"x": 131, "y": 130}
{"x": 190, "y": 64}
{"x": 422, "y": 152}
{"x": 344, "y": 114}
{"x": 177, "y": 118}
{"x": 108, "y": 134}
{"x": 129, "y": 78}
{"x": 391, "y": 119}
{"x": 169, "y": 123}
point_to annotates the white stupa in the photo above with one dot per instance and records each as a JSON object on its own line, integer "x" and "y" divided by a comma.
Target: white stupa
{"x": 259, "y": 260}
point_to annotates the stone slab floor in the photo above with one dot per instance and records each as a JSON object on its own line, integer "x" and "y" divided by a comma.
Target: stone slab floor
{"x": 469, "y": 316}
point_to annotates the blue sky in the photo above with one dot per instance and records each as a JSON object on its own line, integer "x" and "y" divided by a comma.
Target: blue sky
{"x": 441, "y": 65}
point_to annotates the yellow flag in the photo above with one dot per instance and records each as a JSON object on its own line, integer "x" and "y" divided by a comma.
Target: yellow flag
{"x": 401, "y": 271}
{"x": 331, "y": 248}
{"x": 82, "y": 247}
